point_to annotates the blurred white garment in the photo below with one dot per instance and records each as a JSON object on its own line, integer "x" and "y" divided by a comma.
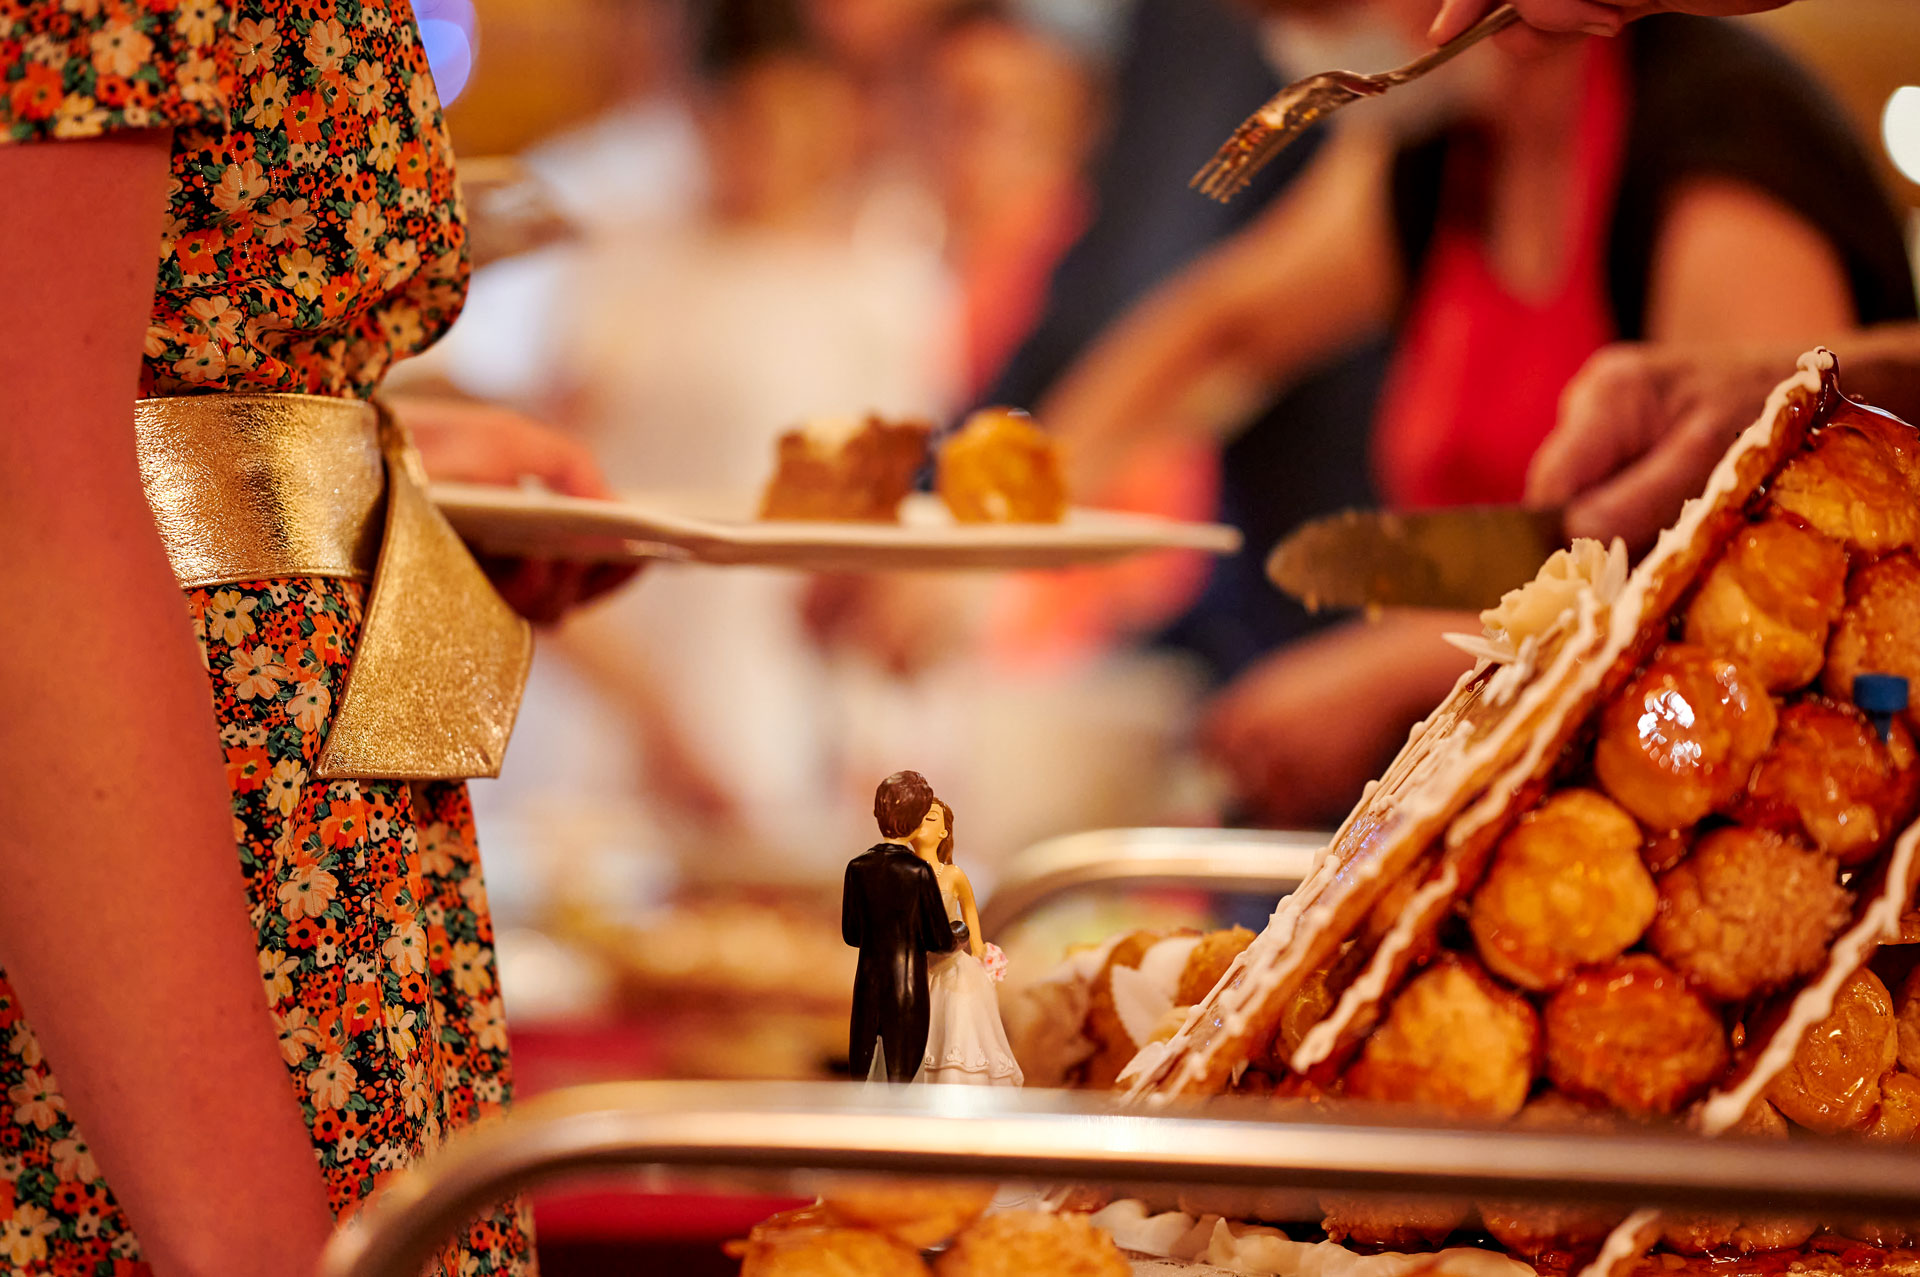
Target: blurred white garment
{"x": 636, "y": 165}
{"x": 686, "y": 351}
{"x": 639, "y": 162}
{"x": 695, "y": 347}
{"x": 1023, "y": 755}
{"x": 690, "y": 351}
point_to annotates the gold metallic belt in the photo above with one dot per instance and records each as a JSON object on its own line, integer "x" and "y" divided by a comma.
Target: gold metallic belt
{"x": 258, "y": 487}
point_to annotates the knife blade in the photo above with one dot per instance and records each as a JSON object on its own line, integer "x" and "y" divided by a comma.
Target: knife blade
{"x": 1462, "y": 557}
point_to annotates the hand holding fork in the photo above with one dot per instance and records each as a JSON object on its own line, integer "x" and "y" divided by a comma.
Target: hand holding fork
{"x": 1294, "y": 109}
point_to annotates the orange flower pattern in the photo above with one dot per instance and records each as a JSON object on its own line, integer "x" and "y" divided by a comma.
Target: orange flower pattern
{"x": 376, "y": 954}
{"x": 314, "y": 232}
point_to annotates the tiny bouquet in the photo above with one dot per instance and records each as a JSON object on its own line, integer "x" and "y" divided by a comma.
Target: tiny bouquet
{"x": 994, "y": 959}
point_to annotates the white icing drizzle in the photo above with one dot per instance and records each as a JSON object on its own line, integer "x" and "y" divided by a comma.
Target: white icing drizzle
{"x": 1515, "y": 674}
{"x": 1542, "y": 606}
{"x": 1194, "y": 1244}
{"x": 1084, "y": 964}
{"x": 1500, "y": 793}
{"x": 1372, "y": 984}
{"x": 1164, "y": 963}
{"x": 1249, "y": 1248}
{"x": 1132, "y": 1228}
{"x": 1143, "y": 995}
{"x": 1271, "y": 958}
{"x": 1626, "y": 1243}
{"x": 1145, "y": 1060}
{"x": 1725, "y": 479}
{"x": 1486, "y": 651}
{"x": 1815, "y": 1002}
{"x": 1432, "y": 771}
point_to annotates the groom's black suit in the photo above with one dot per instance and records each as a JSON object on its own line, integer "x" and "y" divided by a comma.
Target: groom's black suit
{"x": 890, "y": 910}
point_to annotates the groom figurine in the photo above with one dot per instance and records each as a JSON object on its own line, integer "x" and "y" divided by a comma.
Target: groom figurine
{"x": 891, "y": 911}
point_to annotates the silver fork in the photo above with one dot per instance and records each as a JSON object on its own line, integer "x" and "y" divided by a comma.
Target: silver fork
{"x": 1294, "y": 109}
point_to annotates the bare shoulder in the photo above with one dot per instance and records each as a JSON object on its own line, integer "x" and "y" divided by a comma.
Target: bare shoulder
{"x": 1704, "y": 289}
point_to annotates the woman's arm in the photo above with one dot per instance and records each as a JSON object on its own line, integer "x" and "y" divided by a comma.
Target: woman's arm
{"x": 123, "y": 922}
{"x": 1300, "y": 733}
{"x": 1314, "y": 273}
{"x": 976, "y": 943}
{"x": 1641, "y": 426}
{"x": 1732, "y": 265}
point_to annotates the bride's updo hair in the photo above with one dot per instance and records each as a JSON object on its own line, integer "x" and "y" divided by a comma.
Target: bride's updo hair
{"x": 945, "y": 849}
{"x": 901, "y": 803}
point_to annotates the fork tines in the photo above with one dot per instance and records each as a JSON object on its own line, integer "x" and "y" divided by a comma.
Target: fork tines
{"x": 1244, "y": 154}
{"x": 1262, "y": 135}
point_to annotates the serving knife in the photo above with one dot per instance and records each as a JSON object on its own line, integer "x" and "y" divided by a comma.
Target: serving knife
{"x": 1462, "y": 557}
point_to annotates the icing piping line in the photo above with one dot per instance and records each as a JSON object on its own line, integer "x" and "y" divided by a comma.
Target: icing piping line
{"x": 1431, "y": 784}
{"x": 1431, "y": 796}
{"x": 1372, "y": 985}
{"x": 1629, "y": 1240}
{"x": 1815, "y": 1002}
{"x": 1500, "y": 793}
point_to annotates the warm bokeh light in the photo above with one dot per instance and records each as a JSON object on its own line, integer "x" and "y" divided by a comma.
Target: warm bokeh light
{"x": 1900, "y": 128}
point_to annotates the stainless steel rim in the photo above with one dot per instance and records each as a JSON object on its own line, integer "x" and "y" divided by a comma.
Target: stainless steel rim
{"x": 1061, "y": 1136}
{"x": 1260, "y": 861}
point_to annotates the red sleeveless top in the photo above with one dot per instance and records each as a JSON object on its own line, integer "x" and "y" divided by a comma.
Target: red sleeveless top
{"x": 1475, "y": 381}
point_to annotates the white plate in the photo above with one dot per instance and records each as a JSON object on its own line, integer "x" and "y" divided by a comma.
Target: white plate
{"x": 723, "y": 529}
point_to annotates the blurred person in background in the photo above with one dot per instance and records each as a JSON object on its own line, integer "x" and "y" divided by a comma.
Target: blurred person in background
{"x": 1012, "y": 118}
{"x": 809, "y": 287}
{"x": 1009, "y": 121}
{"x": 1185, "y": 72}
{"x": 1641, "y": 426}
{"x": 883, "y": 46}
{"x": 1598, "y": 190}
{"x": 679, "y": 350}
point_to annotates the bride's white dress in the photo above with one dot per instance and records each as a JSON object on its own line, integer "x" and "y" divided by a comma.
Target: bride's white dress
{"x": 965, "y": 1039}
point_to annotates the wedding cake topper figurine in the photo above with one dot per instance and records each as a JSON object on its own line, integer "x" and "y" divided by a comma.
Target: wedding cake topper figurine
{"x": 966, "y": 1041}
{"x": 890, "y": 910}
{"x": 904, "y": 900}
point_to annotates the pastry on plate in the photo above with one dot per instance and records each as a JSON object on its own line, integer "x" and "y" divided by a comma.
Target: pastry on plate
{"x": 846, "y": 468}
{"x": 1001, "y": 468}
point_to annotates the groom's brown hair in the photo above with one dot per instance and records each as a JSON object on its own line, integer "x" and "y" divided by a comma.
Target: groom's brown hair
{"x": 901, "y": 803}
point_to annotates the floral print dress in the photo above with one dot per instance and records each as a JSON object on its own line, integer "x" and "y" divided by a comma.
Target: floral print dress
{"x": 314, "y": 233}
{"x": 313, "y": 237}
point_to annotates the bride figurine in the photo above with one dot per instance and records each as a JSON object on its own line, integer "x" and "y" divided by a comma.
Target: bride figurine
{"x": 965, "y": 1040}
